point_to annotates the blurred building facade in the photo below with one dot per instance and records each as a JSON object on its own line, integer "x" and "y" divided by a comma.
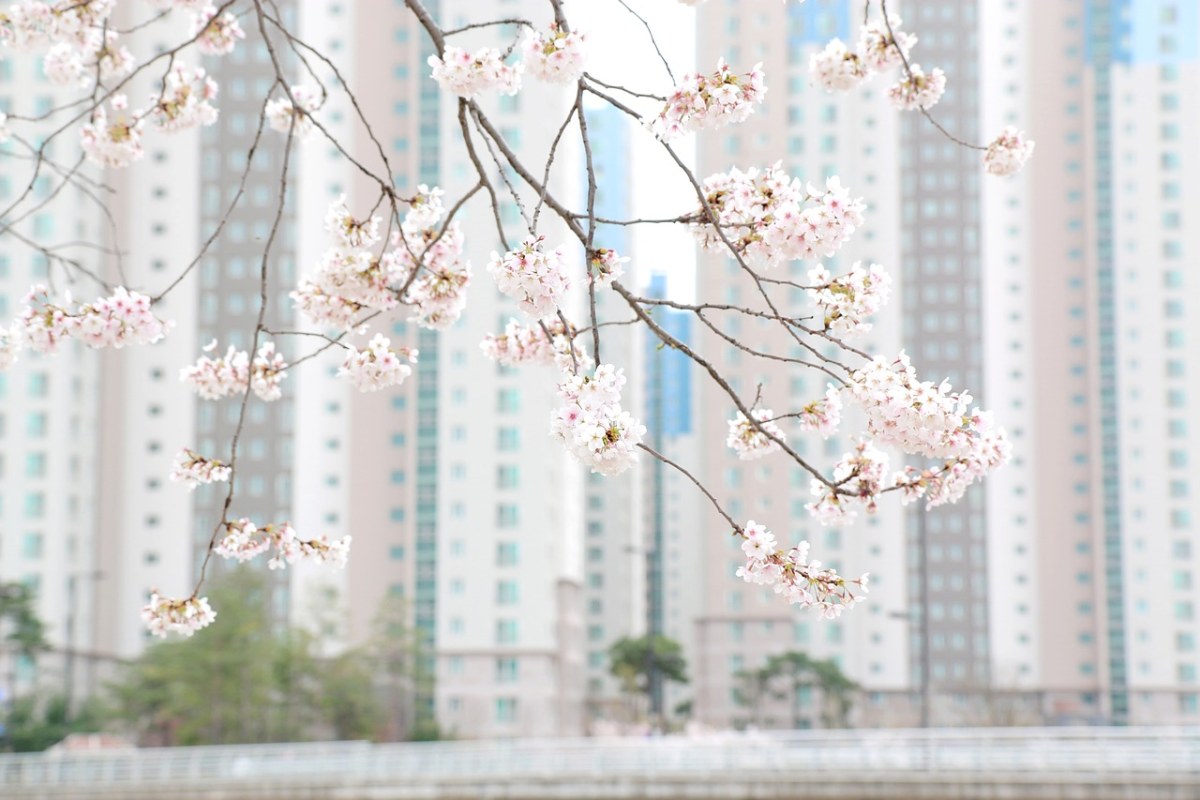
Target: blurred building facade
{"x": 1065, "y": 589}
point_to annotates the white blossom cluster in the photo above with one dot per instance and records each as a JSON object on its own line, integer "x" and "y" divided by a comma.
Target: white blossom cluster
{"x": 535, "y": 278}
{"x": 243, "y": 541}
{"x": 77, "y": 62}
{"x": 217, "y": 34}
{"x": 919, "y": 90}
{"x": 214, "y": 378}
{"x": 351, "y": 233}
{"x": 705, "y": 102}
{"x": 751, "y": 442}
{"x": 929, "y": 420}
{"x": 949, "y": 482}
{"x": 763, "y": 214}
{"x": 848, "y": 301}
{"x": 468, "y": 74}
{"x": 116, "y": 140}
{"x": 556, "y": 56}
{"x": 351, "y": 277}
{"x": 186, "y": 100}
{"x": 838, "y": 68}
{"x": 530, "y": 344}
{"x": 439, "y": 291}
{"x": 859, "y": 478}
{"x": 378, "y": 366}
{"x": 10, "y": 343}
{"x": 193, "y": 469}
{"x": 83, "y": 48}
{"x": 425, "y": 208}
{"x": 164, "y": 615}
{"x": 803, "y": 582}
{"x": 592, "y": 424}
{"x": 123, "y": 318}
{"x": 919, "y": 417}
{"x": 822, "y": 416}
{"x": 606, "y": 266}
{"x": 283, "y": 115}
{"x": 1008, "y": 153}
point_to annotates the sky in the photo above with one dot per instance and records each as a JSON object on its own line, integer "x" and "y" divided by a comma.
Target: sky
{"x": 619, "y": 52}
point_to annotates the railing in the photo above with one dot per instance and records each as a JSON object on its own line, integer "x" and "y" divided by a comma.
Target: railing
{"x": 1086, "y": 755}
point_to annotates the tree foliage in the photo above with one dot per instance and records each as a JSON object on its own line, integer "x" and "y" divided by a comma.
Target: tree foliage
{"x": 244, "y": 681}
{"x": 633, "y": 660}
{"x": 805, "y": 685}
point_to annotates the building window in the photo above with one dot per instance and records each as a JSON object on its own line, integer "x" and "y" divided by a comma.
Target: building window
{"x": 506, "y": 631}
{"x": 506, "y": 709}
{"x": 506, "y": 554}
{"x": 506, "y": 670}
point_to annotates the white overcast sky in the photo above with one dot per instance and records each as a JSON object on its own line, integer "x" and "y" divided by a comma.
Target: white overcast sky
{"x": 619, "y": 52}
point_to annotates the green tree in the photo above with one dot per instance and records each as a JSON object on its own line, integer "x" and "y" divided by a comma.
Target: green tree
{"x": 37, "y": 722}
{"x": 245, "y": 681}
{"x": 633, "y": 662}
{"x": 24, "y": 632}
{"x": 222, "y": 686}
{"x": 22, "y": 637}
{"x": 800, "y": 683}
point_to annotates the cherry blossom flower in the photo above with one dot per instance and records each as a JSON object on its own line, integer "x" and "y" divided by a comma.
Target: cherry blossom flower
{"x": 705, "y": 102}
{"x": 556, "y": 57}
{"x": 606, "y": 266}
{"x": 164, "y": 615}
{"x": 26, "y": 25}
{"x": 193, "y": 469}
{"x": 442, "y": 276}
{"x": 530, "y": 344}
{"x": 1008, "y": 152}
{"x": 859, "y": 477}
{"x": 762, "y": 214}
{"x": 214, "y": 378}
{"x": 5, "y": 133}
{"x": 290, "y": 549}
{"x": 324, "y": 308}
{"x": 115, "y": 142}
{"x": 10, "y": 343}
{"x": 849, "y": 300}
{"x": 918, "y": 417}
{"x": 185, "y": 101}
{"x": 921, "y": 90}
{"x": 121, "y": 319}
{"x": 267, "y": 373}
{"x": 243, "y": 541}
{"x": 469, "y": 74}
{"x": 790, "y": 573}
{"x": 360, "y": 277}
{"x": 750, "y": 442}
{"x": 822, "y": 416}
{"x": 878, "y": 50}
{"x": 281, "y": 112}
{"x": 592, "y": 424}
{"x": 536, "y": 279}
{"x": 424, "y": 208}
{"x": 351, "y": 233}
{"x": 379, "y": 366}
{"x": 990, "y": 449}
{"x": 218, "y": 33}
{"x": 837, "y": 68}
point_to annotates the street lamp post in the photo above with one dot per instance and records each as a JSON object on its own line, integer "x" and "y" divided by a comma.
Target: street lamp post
{"x": 923, "y": 612}
{"x": 69, "y": 656}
